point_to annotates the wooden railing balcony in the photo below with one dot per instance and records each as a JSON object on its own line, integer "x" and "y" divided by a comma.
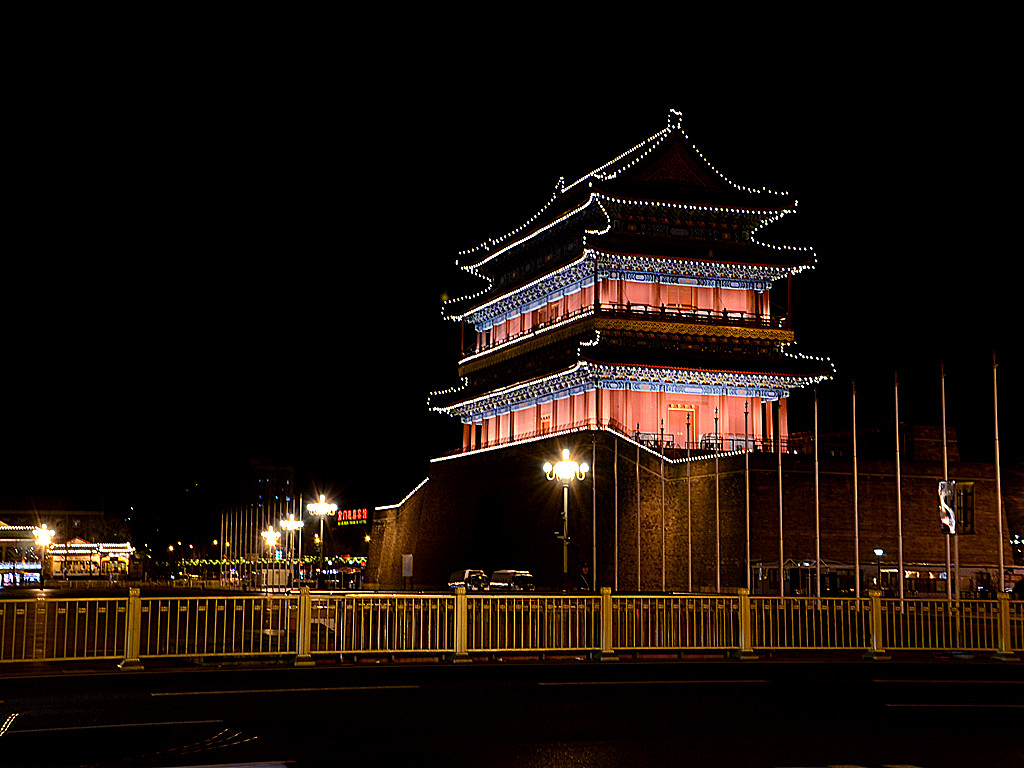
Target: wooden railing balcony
{"x": 659, "y": 442}
{"x": 681, "y": 315}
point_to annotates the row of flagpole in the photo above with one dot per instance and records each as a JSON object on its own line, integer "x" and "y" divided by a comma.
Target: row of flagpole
{"x": 899, "y": 509}
{"x": 241, "y": 534}
{"x": 856, "y": 512}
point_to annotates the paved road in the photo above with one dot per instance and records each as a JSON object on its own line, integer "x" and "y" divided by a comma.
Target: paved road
{"x": 950, "y": 714}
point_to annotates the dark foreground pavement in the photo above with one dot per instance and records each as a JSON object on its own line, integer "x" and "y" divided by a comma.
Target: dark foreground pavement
{"x": 773, "y": 713}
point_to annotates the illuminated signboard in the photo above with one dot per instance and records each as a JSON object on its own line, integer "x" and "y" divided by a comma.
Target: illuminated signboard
{"x": 353, "y": 516}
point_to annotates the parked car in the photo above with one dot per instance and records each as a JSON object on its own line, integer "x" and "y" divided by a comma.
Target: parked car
{"x": 472, "y": 580}
{"x": 512, "y": 581}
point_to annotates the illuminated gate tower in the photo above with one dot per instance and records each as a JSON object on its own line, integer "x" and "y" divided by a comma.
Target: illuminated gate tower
{"x": 678, "y": 345}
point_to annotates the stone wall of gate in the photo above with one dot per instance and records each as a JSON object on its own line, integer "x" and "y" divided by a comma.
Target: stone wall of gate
{"x": 495, "y": 509}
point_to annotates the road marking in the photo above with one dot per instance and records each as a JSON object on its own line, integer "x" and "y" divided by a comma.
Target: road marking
{"x": 114, "y": 725}
{"x": 652, "y": 682}
{"x": 962, "y": 706}
{"x": 7, "y": 723}
{"x": 964, "y": 682}
{"x": 286, "y": 690}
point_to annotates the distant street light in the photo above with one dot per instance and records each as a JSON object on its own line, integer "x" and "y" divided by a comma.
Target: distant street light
{"x": 878, "y": 562}
{"x": 321, "y": 509}
{"x": 291, "y": 525}
{"x": 271, "y": 537}
{"x": 565, "y": 470}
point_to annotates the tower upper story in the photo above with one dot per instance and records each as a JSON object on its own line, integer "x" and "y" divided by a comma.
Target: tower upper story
{"x": 650, "y": 266}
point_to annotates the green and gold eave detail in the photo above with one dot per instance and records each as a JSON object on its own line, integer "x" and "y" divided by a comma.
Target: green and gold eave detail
{"x": 586, "y": 376}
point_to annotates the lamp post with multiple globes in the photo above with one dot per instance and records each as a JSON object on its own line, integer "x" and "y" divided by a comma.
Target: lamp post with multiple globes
{"x": 321, "y": 509}
{"x": 565, "y": 470}
{"x": 291, "y": 525}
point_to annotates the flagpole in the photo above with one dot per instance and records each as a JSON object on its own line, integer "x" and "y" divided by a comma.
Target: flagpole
{"x": 945, "y": 476}
{"x": 778, "y": 454}
{"x": 615, "y": 507}
{"x": 899, "y": 495}
{"x": 999, "y": 493}
{"x": 746, "y": 463}
{"x": 856, "y": 520}
{"x": 689, "y": 500}
{"x": 718, "y": 519}
{"x": 817, "y": 505}
{"x": 662, "y": 505}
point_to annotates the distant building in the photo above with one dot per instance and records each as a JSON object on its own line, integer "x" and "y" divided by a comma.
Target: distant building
{"x": 20, "y": 564}
{"x": 79, "y": 558}
{"x": 268, "y": 484}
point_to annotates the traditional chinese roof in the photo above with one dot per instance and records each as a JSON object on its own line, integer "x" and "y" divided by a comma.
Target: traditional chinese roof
{"x": 740, "y": 379}
{"x": 659, "y": 212}
{"x": 17, "y": 533}
{"x": 79, "y": 546}
{"x": 666, "y": 175}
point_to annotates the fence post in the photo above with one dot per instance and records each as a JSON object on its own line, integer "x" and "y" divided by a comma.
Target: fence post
{"x": 1005, "y": 650}
{"x": 877, "y": 652}
{"x": 133, "y": 630}
{"x": 746, "y": 651}
{"x": 607, "y": 652}
{"x": 461, "y": 625}
{"x": 39, "y": 634}
{"x": 304, "y": 628}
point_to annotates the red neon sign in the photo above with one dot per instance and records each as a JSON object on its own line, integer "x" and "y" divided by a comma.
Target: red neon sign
{"x": 353, "y": 516}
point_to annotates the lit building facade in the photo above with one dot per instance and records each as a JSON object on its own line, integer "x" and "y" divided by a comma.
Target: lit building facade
{"x": 639, "y": 299}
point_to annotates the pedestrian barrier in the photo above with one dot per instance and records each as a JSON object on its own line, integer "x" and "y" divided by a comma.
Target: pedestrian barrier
{"x": 533, "y": 623}
{"x": 932, "y": 625}
{"x": 810, "y": 623}
{"x": 217, "y": 626}
{"x": 382, "y": 623}
{"x": 458, "y": 626}
{"x": 62, "y": 628}
{"x": 683, "y": 623}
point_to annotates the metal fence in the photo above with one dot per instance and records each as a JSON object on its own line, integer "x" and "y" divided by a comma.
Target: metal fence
{"x": 382, "y": 623}
{"x": 810, "y": 623}
{"x": 538, "y": 624}
{"x": 55, "y": 629}
{"x": 644, "y": 622}
{"x": 218, "y": 626}
{"x": 458, "y": 626}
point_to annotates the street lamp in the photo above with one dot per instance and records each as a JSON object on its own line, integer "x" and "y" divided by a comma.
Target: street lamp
{"x": 321, "y": 509}
{"x": 291, "y": 525}
{"x": 878, "y": 562}
{"x": 565, "y": 470}
{"x": 43, "y": 538}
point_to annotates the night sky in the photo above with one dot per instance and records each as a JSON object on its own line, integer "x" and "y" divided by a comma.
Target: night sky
{"x": 218, "y": 259}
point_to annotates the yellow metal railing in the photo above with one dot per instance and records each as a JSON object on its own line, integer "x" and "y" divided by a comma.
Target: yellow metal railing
{"x": 382, "y": 623}
{"x": 54, "y": 629}
{"x": 644, "y": 622}
{"x": 217, "y": 626}
{"x": 809, "y": 623}
{"x": 533, "y": 623}
{"x": 302, "y": 625}
{"x": 930, "y": 624}
{"x": 1014, "y": 625}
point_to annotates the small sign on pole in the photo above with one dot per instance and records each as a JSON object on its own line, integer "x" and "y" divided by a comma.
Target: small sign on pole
{"x": 407, "y": 570}
{"x": 947, "y": 506}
